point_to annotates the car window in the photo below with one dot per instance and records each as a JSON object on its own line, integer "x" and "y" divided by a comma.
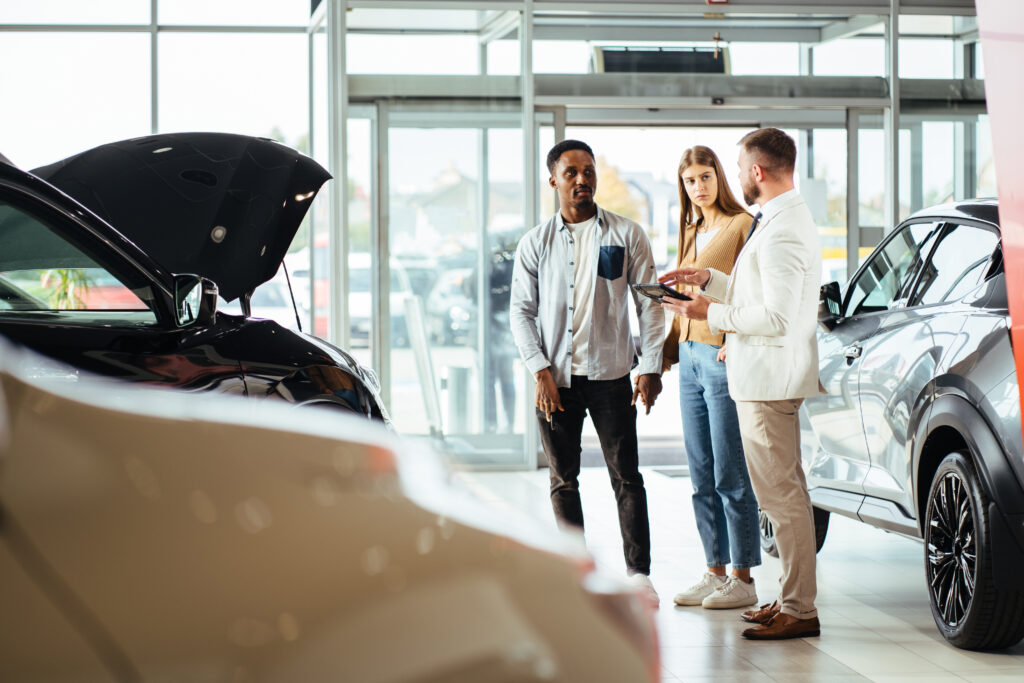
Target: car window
{"x": 885, "y": 282}
{"x": 43, "y": 270}
{"x": 957, "y": 264}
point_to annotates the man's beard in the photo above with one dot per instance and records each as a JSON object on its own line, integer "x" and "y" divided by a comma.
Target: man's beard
{"x": 750, "y": 193}
{"x": 584, "y": 202}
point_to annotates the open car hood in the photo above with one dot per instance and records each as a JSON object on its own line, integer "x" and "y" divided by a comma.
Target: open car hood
{"x": 215, "y": 204}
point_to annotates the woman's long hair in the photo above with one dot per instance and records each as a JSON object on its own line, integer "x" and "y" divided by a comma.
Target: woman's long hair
{"x": 690, "y": 214}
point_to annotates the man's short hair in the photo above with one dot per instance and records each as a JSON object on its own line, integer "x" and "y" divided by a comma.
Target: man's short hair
{"x": 565, "y": 146}
{"x": 773, "y": 150}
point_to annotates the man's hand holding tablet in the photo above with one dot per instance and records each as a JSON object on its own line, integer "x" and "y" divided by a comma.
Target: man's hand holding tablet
{"x": 693, "y": 307}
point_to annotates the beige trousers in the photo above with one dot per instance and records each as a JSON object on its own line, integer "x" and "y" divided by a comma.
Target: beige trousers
{"x": 771, "y": 443}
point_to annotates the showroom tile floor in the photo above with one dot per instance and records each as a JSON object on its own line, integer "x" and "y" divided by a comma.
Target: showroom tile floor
{"x": 872, "y": 600}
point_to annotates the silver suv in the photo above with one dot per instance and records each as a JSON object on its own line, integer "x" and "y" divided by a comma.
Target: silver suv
{"x": 919, "y": 432}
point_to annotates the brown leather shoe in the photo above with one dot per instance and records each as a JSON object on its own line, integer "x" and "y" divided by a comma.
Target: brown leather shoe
{"x": 784, "y": 626}
{"x": 763, "y": 614}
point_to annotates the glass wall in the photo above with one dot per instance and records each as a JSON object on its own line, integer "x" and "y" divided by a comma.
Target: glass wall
{"x": 455, "y": 217}
{"x": 79, "y": 87}
{"x": 441, "y": 177}
{"x": 252, "y": 84}
{"x": 764, "y": 59}
{"x": 67, "y": 92}
{"x": 110, "y": 12}
{"x": 255, "y": 84}
{"x": 824, "y": 190}
{"x": 360, "y": 194}
{"x": 232, "y": 13}
{"x": 986, "y": 169}
{"x": 921, "y": 58}
{"x": 312, "y": 257}
{"x": 938, "y": 165}
{"x": 850, "y": 57}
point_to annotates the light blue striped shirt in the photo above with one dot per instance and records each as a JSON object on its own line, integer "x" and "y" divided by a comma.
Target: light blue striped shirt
{"x": 542, "y": 300}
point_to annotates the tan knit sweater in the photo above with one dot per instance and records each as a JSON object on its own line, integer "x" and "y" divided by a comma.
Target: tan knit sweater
{"x": 720, "y": 254}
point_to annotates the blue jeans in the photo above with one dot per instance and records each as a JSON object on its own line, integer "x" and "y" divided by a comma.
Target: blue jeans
{"x": 723, "y": 501}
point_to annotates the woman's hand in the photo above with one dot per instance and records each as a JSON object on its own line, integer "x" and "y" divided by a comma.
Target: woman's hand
{"x": 721, "y": 354}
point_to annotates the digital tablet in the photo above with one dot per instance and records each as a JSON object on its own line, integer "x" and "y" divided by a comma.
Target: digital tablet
{"x": 658, "y": 291}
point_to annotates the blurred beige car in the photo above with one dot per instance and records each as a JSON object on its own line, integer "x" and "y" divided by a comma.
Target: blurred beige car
{"x": 156, "y": 536}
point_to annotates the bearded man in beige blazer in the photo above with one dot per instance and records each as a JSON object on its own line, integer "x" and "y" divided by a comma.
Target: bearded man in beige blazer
{"x": 768, "y": 309}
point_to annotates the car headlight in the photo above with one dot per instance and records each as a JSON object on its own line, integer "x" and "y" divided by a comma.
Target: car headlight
{"x": 459, "y": 314}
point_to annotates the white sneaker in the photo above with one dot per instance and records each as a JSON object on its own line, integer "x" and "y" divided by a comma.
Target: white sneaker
{"x": 695, "y": 594}
{"x": 733, "y": 593}
{"x": 643, "y": 582}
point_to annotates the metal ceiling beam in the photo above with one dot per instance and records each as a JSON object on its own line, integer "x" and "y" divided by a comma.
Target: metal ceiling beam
{"x": 769, "y": 7}
{"x": 705, "y": 89}
{"x": 505, "y": 26}
{"x": 679, "y": 90}
{"x": 412, "y": 87}
{"x": 773, "y": 7}
{"x": 849, "y": 27}
{"x": 677, "y": 34}
{"x": 965, "y": 26}
{"x": 715, "y": 117}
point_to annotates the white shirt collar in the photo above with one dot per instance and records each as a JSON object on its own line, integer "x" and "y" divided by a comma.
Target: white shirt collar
{"x": 774, "y": 205}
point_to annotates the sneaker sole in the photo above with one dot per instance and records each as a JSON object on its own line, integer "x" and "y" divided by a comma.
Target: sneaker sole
{"x": 737, "y": 605}
{"x": 689, "y": 603}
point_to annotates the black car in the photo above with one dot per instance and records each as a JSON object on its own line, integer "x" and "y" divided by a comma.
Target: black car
{"x": 112, "y": 260}
{"x": 919, "y": 432}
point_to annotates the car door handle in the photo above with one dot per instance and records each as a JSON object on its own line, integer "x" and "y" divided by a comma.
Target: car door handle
{"x": 852, "y": 351}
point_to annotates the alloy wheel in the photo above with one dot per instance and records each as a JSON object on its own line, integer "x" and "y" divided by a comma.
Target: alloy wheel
{"x": 952, "y": 548}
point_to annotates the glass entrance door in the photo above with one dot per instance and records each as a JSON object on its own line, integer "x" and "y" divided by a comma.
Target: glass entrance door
{"x": 452, "y": 217}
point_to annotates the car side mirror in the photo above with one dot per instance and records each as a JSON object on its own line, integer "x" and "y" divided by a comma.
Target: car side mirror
{"x": 195, "y": 300}
{"x": 830, "y": 306}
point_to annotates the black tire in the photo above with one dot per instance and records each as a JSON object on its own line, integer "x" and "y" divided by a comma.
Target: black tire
{"x": 971, "y": 611}
{"x": 767, "y": 532}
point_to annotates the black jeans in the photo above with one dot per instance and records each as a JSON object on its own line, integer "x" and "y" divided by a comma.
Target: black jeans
{"x": 615, "y": 421}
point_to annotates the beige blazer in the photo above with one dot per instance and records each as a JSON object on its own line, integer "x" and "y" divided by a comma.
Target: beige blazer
{"x": 720, "y": 254}
{"x": 769, "y": 306}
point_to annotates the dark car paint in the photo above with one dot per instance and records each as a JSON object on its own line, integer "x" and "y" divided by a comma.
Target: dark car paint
{"x": 232, "y": 355}
{"x": 53, "y": 205}
{"x": 934, "y": 373}
{"x": 222, "y": 206}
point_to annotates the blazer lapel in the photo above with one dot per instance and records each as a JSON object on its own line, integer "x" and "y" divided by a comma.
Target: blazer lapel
{"x": 762, "y": 227}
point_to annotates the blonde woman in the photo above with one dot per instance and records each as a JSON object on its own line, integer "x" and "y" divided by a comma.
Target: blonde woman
{"x": 712, "y": 230}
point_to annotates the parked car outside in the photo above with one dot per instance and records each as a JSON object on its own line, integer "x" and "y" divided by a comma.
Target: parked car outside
{"x": 152, "y": 535}
{"x": 919, "y": 432}
{"x": 452, "y": 305}
{"x": 272, "y": 301}
{"x": 161, "y": 225}
{"x": 360, "y": 305}
{"x": 422, "y": 271}
{"x": 451, "y": 308}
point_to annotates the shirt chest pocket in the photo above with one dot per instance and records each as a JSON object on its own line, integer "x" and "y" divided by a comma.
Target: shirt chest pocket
{"x": 610, "y": 261}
